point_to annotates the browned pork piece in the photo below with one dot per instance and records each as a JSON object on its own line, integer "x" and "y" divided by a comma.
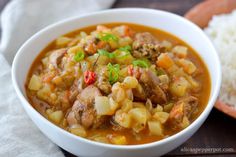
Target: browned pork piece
{"x": 56, "y": 56}
{"x": 102, "y": 82}
{"x": 151, "y": 89}
{"x": 146, "y": 45}
{"x": 83, "y": 111}
{"x": 182, "y": 111}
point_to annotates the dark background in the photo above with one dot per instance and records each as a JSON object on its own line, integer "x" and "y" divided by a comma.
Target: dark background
{"x": 219, "y": 130}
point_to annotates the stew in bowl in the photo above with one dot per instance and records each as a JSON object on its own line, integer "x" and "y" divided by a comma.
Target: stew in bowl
{"x": 119, "y": 83}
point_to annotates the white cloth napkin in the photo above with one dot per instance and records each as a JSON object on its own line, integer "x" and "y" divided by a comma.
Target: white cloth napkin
{"x": 20, "y": 19}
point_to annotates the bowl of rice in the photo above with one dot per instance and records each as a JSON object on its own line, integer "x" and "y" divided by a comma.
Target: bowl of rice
{"x": 218, "y": 20}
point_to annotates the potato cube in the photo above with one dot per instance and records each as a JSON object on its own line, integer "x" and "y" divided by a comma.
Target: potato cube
{"x": 35, "y": 83}
{"x": 79, "y": 131}
{"x": 102, "y": 105}
{"x": 117, "y": 139}
{"x": 56, "y": 116}
{"x": 155, "y": 128}
{"x": 139, "y": 115}
{"x": 161, "y": 116}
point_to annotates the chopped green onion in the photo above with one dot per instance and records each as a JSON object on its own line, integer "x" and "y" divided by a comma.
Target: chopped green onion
{"x": 113, "y": 72}
{"x": 79, "y": 56}
{"x": 125, "y": 48}
{"x": 106, "y": 53}
{"x": 107, "y": 37}
{"x": 123, "y": 54}
{"x": 144, "y": 63}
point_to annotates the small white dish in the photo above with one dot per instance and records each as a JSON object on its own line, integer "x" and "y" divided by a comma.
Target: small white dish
{"x": 169, "y": 22}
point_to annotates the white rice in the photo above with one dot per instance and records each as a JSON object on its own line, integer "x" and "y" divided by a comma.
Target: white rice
{"x": 222, "y": 32}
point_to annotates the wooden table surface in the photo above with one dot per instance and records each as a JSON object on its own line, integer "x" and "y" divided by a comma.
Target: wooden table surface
{"x": 217, "y": 136}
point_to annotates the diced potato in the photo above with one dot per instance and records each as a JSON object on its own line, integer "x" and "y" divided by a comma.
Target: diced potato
{"x": 164, "y": 61}
{"x": 102, "y": 60}
{"x": 49, "y": 111}
{"x": 179, "y": 87}
{"x": 164, "y": 79}
{"x": 168, "y": 107}
{"x": 113, "y": 105}
{"x": 129, "y": 94}
{"x": 118, "y": 93}
{"x": 194, "y": 84}
{"x": 56, "y": 116}
{"x": 137, "y": 127}
{"x": 161, "y": 116}
{"x": 187, "y": 65}
{"x": 126, "y": 105}
{"x": 44, "y": 92}
{"x": 149, "y": 105}
{"x": 139, "y": 115}
{"x": 130, "y": 82}
{"x": 155, "y": 128}
{"x": 63, "y": 41}
{"x": 35, "y": 83}
{"x": 57, "y": 80}
{"x": 166, "y": 44}
{"x": 180, "y": 51}
{"x": 123, "y": 58}
{"x": 102, "y": 105}
{"x": 113, "y": 44}
{"x": 125, "y": 41}
{"x": 138, "y": 105}
{"x": 123, "y": 72}
{"x": 73, "y": 50}
{"x": 158, "y": 108}
{"x": 79, "y": 131}
{"x": 123, "y": 119}
{"x": 117, "y": 139}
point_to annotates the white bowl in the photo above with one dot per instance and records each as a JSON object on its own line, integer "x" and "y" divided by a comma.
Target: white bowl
{"x": 169, "y": 22}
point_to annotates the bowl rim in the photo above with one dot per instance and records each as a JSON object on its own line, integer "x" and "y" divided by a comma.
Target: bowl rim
{"x": 199, "y": 119}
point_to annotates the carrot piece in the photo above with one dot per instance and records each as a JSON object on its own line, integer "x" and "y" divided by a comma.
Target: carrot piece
{"x": 164, "y": 61}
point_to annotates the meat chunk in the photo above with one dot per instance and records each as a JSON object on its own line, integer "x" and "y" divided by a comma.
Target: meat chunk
{"x": 103, "y": 83}
{"x": 88, "y": 94}
{"x": 56, "y": 56}
{"x": 151, "y": 86}
{"x": 83, "y": 111}
{"x": 89, "y": 43}
{"x": 146, "y": 45}
{"x": 76, "y": 88}
{"x": 182, "y": 112}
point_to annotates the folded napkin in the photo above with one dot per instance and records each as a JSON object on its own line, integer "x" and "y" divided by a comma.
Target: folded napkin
{"x": 20, "y": 19}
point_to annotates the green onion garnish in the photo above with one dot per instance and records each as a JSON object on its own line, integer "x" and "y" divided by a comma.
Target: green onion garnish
{"x": 113, "y": 72}
{"x": 107, "y": 37}
{"x": 144, "y": 63}
{"x": 79, "y": 56}
{"x": 125, "y": 48}
{"x": 106, "y": 53}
